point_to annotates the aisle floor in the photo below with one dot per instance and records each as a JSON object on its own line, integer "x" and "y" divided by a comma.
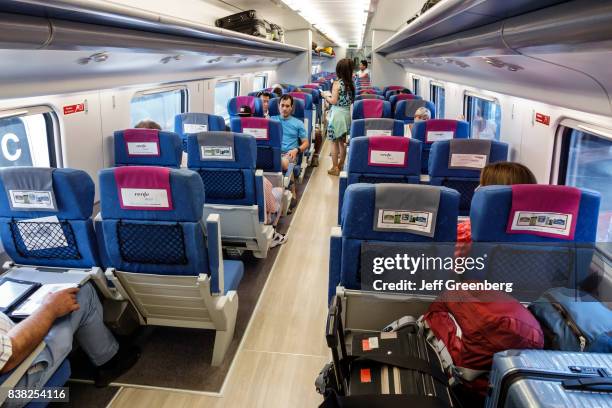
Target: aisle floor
{"x": 284, "y": 347}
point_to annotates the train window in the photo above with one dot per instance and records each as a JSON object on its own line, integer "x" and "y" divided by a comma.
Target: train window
{"x": 438, "y": 97}
{"x": 160, "y": 105}
{"x": 224, "y": 91}
{"x": 416, "y": 83}
{"x": 27, "y": 137}
{"x": 586, "y": 162}
{"x": 260, "y": 82}
{"x": 484, "y": 116}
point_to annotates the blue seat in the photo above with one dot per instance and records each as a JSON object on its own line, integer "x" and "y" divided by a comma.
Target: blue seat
{"x": 157, "y": 238}
{"x": 316, "y": 102}
{"x": 389, "y": 91}
{"x": 309, "y": 113}
{"x": 67, "y": 194}
{"x": 534, "y": 236}
{"x": 147, "y": 147}
{"x": 381, "y": 159}
{"x": 394, "y": 99}
{"x": 404, "y": 110}
{"x": 234, "y": 104}
{"x": 369, "y": 96}
{"x": 269, "y": 136}
{"x": 226, "y": 162}
{"x": 365, "y": 227}
{"x": 195, "y": 122}
{"x": 457, "y": 164}
{"x": 434, "y": 130}
{"x": 376, "y": 127}
{"x": 371, "y": 108}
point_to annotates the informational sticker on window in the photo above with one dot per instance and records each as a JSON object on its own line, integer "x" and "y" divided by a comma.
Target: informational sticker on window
{"x": 42, "y": 233}
{"x": 378, "y": 132}
{"x": 549, "y": 222}
{"x": 258, "y": 133}
{"x": 143, "y": 149}
{"x": 405, "y": 220}
{"x": 194, "y": 128}
{"x": 476, "y": 161}
{"x": 36, "y": 200}
{"x": 438, "y": 136}
{"x": 216, "y": 153}
{"x": 144, "y": 197}
{"x": 387, "y": 157}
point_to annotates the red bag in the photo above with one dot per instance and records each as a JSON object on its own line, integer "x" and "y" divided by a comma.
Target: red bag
{"x": 468, "y": 327}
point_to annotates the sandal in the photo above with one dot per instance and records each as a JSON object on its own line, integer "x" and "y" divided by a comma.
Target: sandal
{"x": 278, "y": 239}
{"x": 334, "y": 171}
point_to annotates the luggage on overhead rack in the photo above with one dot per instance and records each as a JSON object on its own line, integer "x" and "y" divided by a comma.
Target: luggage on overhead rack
{"x": 248, "y": 22}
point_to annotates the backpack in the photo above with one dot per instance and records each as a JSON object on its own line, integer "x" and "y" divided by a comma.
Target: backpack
{"x": 468, "y": 327}
{"x": 574, "y": 321}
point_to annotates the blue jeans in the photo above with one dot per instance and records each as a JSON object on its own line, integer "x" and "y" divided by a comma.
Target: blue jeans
{"x": 87, "y": 325}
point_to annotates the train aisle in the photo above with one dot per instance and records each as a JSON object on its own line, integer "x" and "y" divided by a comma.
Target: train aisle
{"x": 284, "y": 347}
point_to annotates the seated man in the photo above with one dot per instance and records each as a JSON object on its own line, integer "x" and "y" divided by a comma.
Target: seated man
{"x": 295, "y": 140}
{"x": 63, "y": 315}
{"x": 265, "y": 101}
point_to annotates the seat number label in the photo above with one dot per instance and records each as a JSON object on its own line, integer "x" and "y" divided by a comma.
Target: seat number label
{"x": 475, "y": 161}
{"x": 143, "y": 149}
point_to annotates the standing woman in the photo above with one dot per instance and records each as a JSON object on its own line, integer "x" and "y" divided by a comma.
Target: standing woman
{"x": 341, "y": 98}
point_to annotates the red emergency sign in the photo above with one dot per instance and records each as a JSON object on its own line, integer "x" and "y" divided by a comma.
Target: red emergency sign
{"x": 69, "y": 109}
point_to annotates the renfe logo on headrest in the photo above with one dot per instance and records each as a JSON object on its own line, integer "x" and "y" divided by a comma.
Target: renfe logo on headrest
{"x": 257, "y": 127}
{"x": 440, "y": 129}
{"x": 144, "y": 188}
{"x": 388, "y": 151}
{"x": 141, "y": 142}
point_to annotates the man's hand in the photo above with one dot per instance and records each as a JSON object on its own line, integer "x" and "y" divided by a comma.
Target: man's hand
{"x": 293, "y": 154}
{"x": 62, "y": 302}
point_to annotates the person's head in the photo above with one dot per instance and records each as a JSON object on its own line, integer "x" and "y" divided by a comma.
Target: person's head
{"x": 245, "y": 111}
{"x": 277, "y": 89}
{"x": 363, "y": 65}
{"x": 506, "y": 173}
{"x": 422, "y": 114}
{"x": 406, "y": 91}
{"x": 344, "y": 71}
{"x": 148, "y": 124}
{"x": 285, "y": 105}
{"x": 265, "y": 100}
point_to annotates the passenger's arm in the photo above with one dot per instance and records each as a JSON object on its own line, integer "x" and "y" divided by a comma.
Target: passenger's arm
{"x": 26, "y": 335}
{"x": 335, "y": 94}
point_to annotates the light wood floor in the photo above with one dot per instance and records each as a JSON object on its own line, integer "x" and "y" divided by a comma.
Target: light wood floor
{"x": 284, "y": 347}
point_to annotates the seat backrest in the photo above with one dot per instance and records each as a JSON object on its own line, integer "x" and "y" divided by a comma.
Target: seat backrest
{"x": 404, "y": 110}
{"x": 235, "y": 103}
{"x": 535, "y": 236}
{"x": 371, "y": 108}
{"x": 394, "y": 99}
{"x": 311, "y": 86}
{"x": 152, "y": 220}
{"x": 435, "y": 130}
{"x": 393, "y": 88}
{"x": 384, "y": 159}
{"x": 381, "y": 216}
{"x": 457, "y": 164}
{"x": 147, "y": 147}
{"x": 368, "y": 96}
{"x": 305, "y": 97}
{"x": 367, "y": 91}
{"x": 314, "y": 93}
{"x": 268, "y": 135}
{"x": 45, "y": 216}
{"x": 376, "y": 127}
{"x": 226, "y": 161}
{"x": 196, "y": 122}
{"x": 298, "y": 108}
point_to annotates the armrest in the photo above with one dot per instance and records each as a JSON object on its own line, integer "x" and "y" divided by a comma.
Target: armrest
{"x": 276, "y": 178}
{"x": 215, "y": 254}
{"x": 260, "y": 195}
{"x": 19, "y": 371}
{"x": 335, "y": 261}
{"x": 342, "y": 185}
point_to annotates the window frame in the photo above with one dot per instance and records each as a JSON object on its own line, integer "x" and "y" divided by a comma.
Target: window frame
{"x": 265, "y": 81}
{"x": 433, "y": 98}
{"x": 163, "y": 89}
{"x": 52, "y": 127}
{"x": 416, "y": 85}
{"x": 558, "y": 174}
{"x": 492, "y": 99}
{"x": 235, "y": 80}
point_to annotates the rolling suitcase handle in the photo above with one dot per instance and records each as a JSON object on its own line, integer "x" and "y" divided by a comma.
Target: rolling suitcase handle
{"x": 334, "y": 335}
{"x": 600, "y": 384}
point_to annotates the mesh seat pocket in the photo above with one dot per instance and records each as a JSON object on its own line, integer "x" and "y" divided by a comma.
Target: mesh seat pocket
{"x": 151, "y": 243}
{"x": 44, "y": 240}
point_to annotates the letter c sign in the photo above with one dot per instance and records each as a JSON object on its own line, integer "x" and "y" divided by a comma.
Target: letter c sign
{"x": 13, "y": 154}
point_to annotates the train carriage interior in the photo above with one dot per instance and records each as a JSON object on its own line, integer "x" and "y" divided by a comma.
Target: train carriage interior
{"x": 275, "y": 203}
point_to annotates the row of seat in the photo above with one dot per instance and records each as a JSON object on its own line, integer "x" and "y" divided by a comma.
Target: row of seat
{"x": 534, "y": 236}
{"x": 403, "y": 110}
{"x": 161, "y": 252}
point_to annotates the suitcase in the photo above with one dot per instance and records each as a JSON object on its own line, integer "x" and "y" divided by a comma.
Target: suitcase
{"x": 246, "y": 23}
{"x": 395, "y": 369}
{"x": 547, "y": 379}
{"x": 236, "y": 19}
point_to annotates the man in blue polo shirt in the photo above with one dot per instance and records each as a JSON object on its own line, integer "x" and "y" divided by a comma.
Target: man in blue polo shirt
{"x": 295, "y": 140}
